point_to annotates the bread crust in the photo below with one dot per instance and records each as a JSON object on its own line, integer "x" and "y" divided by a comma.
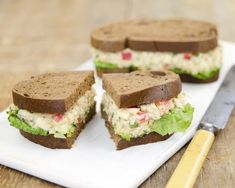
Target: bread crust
{"x": 122, "y": 144}
{"x": 156, "y": 35}
{"x": 141, "y": 87}
{"x": 102, "y": 71}
{"x": 184, "y": 77}
{"x": 60, "y": 143}
{"x": 46, "y": 93}
{"x": 190, "y": 79}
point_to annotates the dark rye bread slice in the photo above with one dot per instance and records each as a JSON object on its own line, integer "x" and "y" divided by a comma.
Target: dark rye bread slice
{"x": 122, "y": 144}
{"x": 184, "y": 77}
{"x": 141, "y": 87}
{"x": 52, "y": 92}
{"x": 102, "y": 71}
{"x": 182, "y": 35}
{"x": 190, "y": 79}
{"x": 61, "y": 143}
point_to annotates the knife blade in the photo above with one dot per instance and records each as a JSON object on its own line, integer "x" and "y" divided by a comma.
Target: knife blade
{"x": 215, "y": 118}
{"x": 222, "y": 105}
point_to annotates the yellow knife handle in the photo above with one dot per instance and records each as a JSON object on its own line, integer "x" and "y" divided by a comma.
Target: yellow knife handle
{"x": 189, "y": 166}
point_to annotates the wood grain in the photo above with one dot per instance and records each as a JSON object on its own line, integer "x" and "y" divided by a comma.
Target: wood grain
{"x": 40, "y": 36}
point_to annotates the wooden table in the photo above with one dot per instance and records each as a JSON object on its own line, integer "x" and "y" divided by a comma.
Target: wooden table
{"x": 38, "y": 36}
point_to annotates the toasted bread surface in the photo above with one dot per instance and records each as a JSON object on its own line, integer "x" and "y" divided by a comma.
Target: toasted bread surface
{"x": 52, "y": 92}
{"x": 141, "y": 87}
{"x": 102, "y": 71}
{"x": 182, "y": 35}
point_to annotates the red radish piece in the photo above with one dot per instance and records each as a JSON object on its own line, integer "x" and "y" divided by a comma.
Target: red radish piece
{"x": 163, "y": 106}
{"x": 126, "y": 55}
{"x": 58, "y": 117}
{"x": 187, "y": 56}
{"x": 142, "y": 116}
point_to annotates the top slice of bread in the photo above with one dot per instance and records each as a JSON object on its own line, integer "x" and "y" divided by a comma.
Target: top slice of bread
{"x": 141, "y": 87}
{"x": 52, "y": 92}
{"x": 156, "y": 35}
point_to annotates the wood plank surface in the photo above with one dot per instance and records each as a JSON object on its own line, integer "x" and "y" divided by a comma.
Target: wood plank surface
{"x": 39, "y": 36}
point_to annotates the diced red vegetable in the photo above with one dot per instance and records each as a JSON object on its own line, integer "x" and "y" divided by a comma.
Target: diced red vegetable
{"x": 187, "y": 56}
{"x": 142, "y": 116}
{"x": 163, "y": 106}
{"x": 126, "y": 55}
{"x": 58, "y": 117}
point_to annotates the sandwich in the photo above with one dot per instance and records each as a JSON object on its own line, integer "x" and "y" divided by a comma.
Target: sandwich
{"x": 52, "y": 109}
{"x": 142, "y": 107}
{"x": 187, "y": 47}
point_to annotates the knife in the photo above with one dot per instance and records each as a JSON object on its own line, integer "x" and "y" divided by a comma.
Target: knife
{"x": 215, "y": 119}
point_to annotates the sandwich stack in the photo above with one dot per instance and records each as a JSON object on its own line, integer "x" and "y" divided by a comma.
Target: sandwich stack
{"x": 144, "y": 107}
{"x": 53, "y": 108}
{"x": 187, "y": 47}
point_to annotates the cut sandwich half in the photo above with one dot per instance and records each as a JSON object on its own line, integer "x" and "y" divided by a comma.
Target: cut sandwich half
{"x": 144, "y": 107}
{"x": 53, "y": 108}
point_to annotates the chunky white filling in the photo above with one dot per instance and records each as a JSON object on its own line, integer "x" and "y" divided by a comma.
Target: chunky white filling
{"x": 60, "y": 124}
{"x": 123, "y": 119}
{"x": 192, "y": 63}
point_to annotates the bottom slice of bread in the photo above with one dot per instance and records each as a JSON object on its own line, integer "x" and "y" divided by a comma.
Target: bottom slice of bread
{"x": 63, "y": 143}
{"x": 122, "y": 144}
{"x": 116, "y": 70}
{"x": 184, "y": 77}
{"x": 191, "y": 79}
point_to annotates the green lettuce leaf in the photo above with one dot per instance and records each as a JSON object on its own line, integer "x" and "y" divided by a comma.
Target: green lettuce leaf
{"x": 22, "y": 125}
{"x": 125, "y": 136}
{"x": 200, "y": 75}
{"x": 71, "y": 130}
{"x": 178, "y": 120}
{"x": 102, "y": 65}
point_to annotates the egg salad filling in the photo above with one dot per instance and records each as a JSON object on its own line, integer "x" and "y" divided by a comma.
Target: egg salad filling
{"x": 60, "y": 125}
{"x": 163, "y": 117}
{"x": 200, "y": 65}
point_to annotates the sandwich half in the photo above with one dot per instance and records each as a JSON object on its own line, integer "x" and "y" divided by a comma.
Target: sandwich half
{"x": 143, "y": 107}
{"x": 187, "y": 47}
{"x": 52, "y": 109}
